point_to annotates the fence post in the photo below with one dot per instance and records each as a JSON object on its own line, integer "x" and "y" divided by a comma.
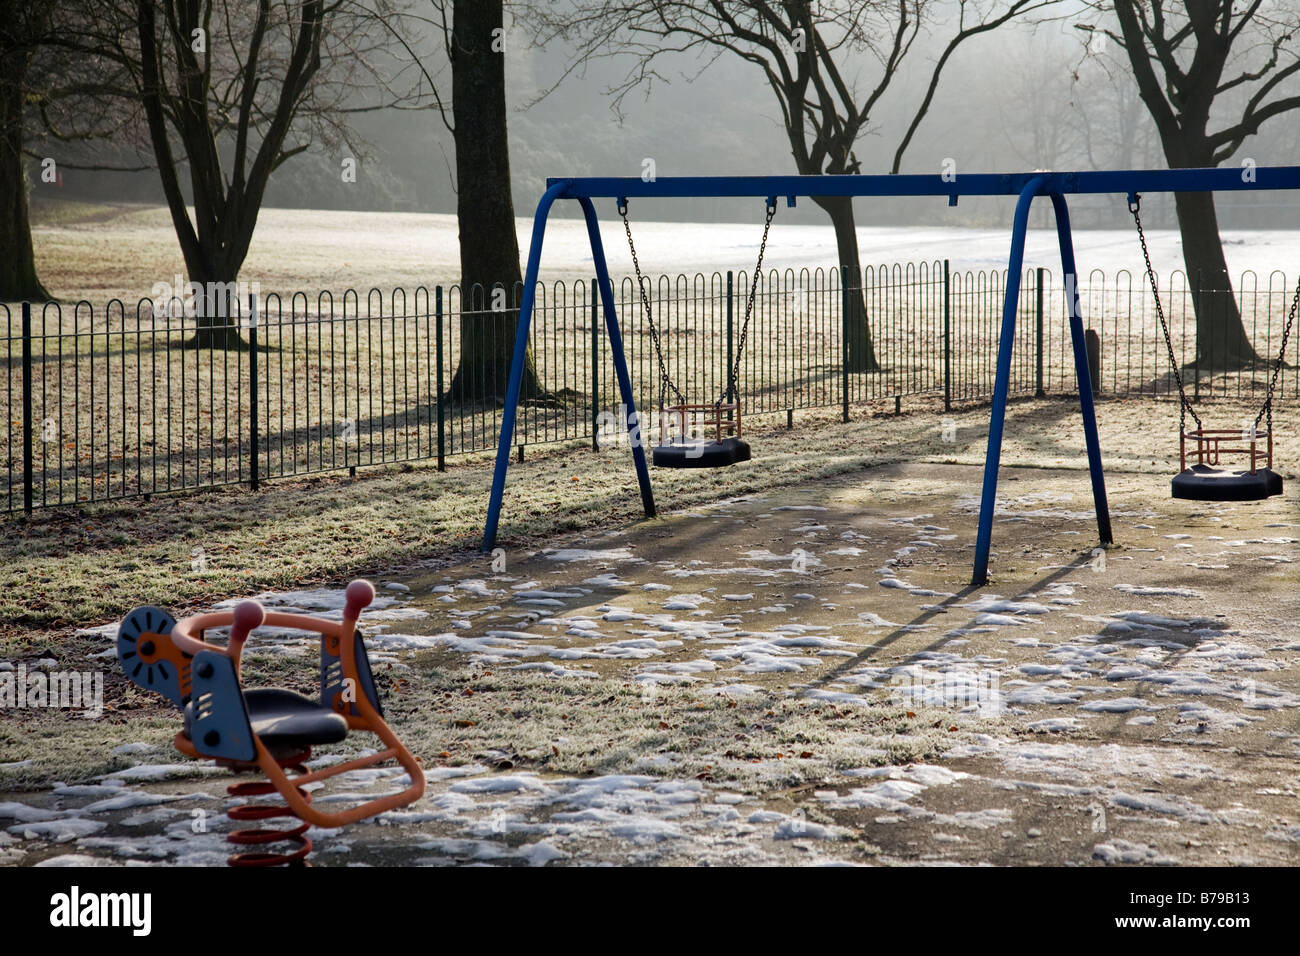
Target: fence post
{"x": 1038, "y": 342}
{"x": 27, "y": 408}
{"x": 844, "y": 342}
{"x": 252, "y": 390}
{"x": 1196, "y": 354}
{"x": 731, "y": 344}
{"x": 595, "y": 365}
{"x": 438, "y": 398}
{"x": 1092, "y": 345}
{"x": 947, "y": 336}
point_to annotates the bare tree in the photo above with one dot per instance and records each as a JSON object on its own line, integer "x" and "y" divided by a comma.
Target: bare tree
{"x": 77, "y": 114}
{"x": 1037, "y": 122}
{"x": 1187, "y": 58}
{"x": 813, "y": 56}
{"x": 24, "y": 26}
{"x": 230, "y": 92}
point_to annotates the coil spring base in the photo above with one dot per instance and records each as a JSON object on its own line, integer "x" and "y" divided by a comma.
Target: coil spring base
{"x": 269, "y": 811}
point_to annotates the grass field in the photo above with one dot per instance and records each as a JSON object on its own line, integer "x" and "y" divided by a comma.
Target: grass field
{"x": 70, "y": 567}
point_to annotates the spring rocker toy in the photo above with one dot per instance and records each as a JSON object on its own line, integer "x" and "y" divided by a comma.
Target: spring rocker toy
{"x": 271, "y": 730}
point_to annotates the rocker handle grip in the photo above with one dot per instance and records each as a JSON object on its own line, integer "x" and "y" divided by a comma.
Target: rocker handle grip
{"x": 248, "y": 616}
{"x": 360, "y": 594}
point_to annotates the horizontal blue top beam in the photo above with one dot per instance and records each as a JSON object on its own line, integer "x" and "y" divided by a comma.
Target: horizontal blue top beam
{"x": 934, "y": 184}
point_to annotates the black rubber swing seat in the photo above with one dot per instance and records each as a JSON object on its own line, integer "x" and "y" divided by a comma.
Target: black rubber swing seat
{"x": 283, "y": 718}
{"x": 701, "y": 453}
{"x": 1205, "y": 483}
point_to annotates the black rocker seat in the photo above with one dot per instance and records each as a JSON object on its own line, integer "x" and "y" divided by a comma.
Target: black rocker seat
{"x": 701, "y": 454}
{"x": 1204, "y": 483}
{"x": 282, "y": 718}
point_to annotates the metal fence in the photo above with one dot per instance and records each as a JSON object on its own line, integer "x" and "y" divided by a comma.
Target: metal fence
{"x": 118, "y": 402}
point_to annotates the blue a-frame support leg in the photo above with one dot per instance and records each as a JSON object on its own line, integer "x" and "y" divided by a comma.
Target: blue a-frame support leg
{"x": 1086, "y": 405}
{"x": 632, "y": 421}
{"x": 517, "y": 361}
{"x": 1002, "y": 385}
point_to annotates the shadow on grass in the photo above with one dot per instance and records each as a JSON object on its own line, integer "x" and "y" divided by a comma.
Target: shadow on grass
{"x": 925, "y": 616}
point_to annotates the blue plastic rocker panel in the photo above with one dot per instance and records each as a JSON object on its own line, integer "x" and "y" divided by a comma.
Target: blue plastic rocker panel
{"x": 332, "y": 679}
{"x": 149, "y": 659}
{"x": 216, "y": 718}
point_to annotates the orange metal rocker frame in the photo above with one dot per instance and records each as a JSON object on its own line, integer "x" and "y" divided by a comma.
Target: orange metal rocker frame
{"x": 149, "y": 641}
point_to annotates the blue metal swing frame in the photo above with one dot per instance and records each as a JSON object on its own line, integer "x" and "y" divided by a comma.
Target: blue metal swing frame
{"x": 1026, "y": 186}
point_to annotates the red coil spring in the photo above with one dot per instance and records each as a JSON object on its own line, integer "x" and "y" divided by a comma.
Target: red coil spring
{"x": 268, "y": 811}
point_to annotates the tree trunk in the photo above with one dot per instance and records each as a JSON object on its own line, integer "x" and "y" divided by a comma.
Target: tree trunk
{"x": 1221, "y": 340}
{"x": 489, "y": 249}
{"x": 216, "y": 301}
{"x": 1179, "y": 86}
{"x": 217, "y": 309}
{"x": 861, "y": 352}
{"x": 18, "y": 279}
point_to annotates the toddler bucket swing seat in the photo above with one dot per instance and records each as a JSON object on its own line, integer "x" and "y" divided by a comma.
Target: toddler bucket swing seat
{"x": 1208, "y": 479}
{"x": 699, "y": 435}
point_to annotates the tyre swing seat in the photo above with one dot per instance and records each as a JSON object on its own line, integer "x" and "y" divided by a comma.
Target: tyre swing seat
{"x": 1207, "y": 478}
{"x": 269, "y": 730}
{"x": 1208, "y": 483}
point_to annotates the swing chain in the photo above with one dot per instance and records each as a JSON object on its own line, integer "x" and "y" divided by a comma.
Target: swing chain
{"x": 733, "y": 374}
{"x": 1281, "y": 360}
{"x": 1135, "y": 206}
{"x": 665, "y": 380}
{"x": 1266, "y": 410}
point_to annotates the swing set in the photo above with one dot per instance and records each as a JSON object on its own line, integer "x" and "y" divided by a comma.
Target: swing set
{"x": 682, "y": 446}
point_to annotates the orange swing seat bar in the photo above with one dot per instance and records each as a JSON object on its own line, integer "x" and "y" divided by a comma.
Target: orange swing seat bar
{"x": 1212, "y": 443}
{"x": 709, "y": 415}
